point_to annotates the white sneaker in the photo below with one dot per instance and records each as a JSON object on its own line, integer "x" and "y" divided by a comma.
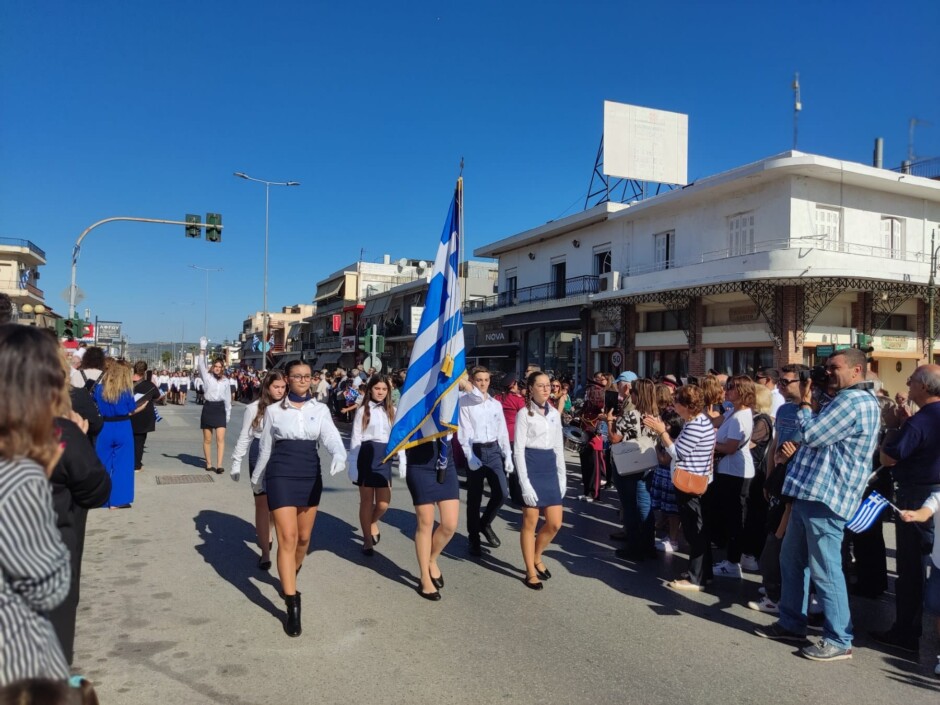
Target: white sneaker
{"x": 726, "y": 569}
{"x": 665, "y": 545}
{"x": 586, "y": 498}
{"x": 749, "y": 563}
{"x": 764, "y": 605}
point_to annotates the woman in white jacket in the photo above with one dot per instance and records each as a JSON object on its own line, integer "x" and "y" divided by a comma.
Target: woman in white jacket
{"x": 539, "y": 454}
{"x": 249, "y": 441}
{"x": 367, "y": 469}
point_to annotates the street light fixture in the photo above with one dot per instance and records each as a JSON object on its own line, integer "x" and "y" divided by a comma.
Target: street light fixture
{"x": 267, "y": 203}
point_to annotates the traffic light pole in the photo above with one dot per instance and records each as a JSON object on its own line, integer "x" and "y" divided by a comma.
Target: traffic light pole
{"x": 78, "y": 247}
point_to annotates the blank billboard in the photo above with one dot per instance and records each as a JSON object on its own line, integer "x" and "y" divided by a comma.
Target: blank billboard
{"x": 645, "y": 144}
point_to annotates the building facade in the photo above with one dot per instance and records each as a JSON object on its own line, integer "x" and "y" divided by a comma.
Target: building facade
{"x": 20, "y": 261}
{"x": 280, "y": 328}
{"x": 783, "y": 260}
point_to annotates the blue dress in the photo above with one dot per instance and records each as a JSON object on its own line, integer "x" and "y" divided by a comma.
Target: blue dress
{"x": 115, "y": 446}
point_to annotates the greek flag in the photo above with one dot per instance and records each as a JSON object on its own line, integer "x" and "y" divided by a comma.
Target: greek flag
{"x": 428, "y": 405}
{"x": 255, "y": 342}
{"x": 867, "y": 514}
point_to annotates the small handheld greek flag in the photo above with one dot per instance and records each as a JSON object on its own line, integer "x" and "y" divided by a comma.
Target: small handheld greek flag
{"x": 867, "y": 513}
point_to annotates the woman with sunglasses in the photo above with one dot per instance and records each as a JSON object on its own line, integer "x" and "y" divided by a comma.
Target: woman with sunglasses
{"x": 288, "y": 468}
{"x": 249, "y": 441}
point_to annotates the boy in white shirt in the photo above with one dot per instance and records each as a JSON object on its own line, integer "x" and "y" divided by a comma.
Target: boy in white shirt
{"x": 931, "y": 508}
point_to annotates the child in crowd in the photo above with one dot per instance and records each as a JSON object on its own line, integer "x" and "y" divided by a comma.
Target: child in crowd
{"x": 931, "y": 508}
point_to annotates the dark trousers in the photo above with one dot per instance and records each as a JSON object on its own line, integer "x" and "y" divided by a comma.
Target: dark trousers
{"x": 592, "y": 476}
{"x": 693, "y": 527}
{"x": 770, "y": 567}
{"x": 139, "y": 440}
{"x": 755, "y": 521}
{"x": 914, "y": 542}
{"x": 730, "y": 499}
{"x": 635, "y": 501}
{"x": 62, "y": 617}
{"x": 492, "y": 473}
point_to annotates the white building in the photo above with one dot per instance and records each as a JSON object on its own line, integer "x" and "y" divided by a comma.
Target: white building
{"x": 773, "y": 262}
{"x": 20, "y": 261}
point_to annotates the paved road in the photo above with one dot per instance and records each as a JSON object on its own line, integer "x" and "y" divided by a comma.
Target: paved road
{"x": 174, "y": 610}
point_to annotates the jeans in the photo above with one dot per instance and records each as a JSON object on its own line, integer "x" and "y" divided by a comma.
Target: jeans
{"x": 812, "y": 546}
{"x": 913, "y": 542}
{"x": 638, "y": 521}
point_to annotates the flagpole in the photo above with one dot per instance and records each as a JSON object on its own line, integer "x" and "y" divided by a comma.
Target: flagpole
{"x": 461, "y": 252}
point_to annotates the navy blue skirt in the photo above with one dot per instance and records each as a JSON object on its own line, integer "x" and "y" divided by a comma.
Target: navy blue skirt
{"x": 543, "y": 475}
{"x": 292, "y": 477}
{"x": 372, "y": 471}
{"x": 422, "y": 476}
{"x": 213, "y": 415}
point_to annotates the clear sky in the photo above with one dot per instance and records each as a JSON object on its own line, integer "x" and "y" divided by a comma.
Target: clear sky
{"x": 145, "y": 109}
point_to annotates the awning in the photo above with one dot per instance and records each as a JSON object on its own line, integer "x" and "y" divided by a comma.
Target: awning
{"x": 285, "y": 358}
{"x": 329, "y": 289}
{"x": 330, "y": 358}
{"x": 494, "y": 351}
{"x": 295, "y": 329}
{"x": 563, "y": 314}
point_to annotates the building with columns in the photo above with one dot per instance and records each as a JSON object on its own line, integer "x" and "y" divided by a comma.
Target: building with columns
{"x": 783, "y": 260}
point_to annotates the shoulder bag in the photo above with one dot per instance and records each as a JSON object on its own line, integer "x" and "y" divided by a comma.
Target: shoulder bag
{"x": 635, "y": 455}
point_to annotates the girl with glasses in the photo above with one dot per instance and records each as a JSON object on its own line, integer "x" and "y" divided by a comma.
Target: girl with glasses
{"x": 288, "y": 468}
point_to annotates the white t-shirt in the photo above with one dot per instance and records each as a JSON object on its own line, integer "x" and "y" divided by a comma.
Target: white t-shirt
{"x": 738, "y": 426}
{"x": 776, "y": 401}
{"x": 933, "y": 502}
{"x": 75, "y": 377}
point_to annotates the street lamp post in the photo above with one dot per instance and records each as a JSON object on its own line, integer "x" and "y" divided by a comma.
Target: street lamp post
{"x": 267, "y": 203}
{"x": 205, "y": 318}
{"x": 931, "y": 297}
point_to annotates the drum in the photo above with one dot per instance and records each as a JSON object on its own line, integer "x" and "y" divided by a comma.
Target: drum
{"x": 575, "y": 438}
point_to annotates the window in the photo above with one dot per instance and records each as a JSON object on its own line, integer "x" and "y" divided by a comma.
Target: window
{"x": 892, "y": 237}
{"x": 741, "y": 233}
{"x": 657, "y": 321}
{"x": 828, "y": 227}
{"x": 896, "y": 321}
{"x": 743, "y": 361}
{"x": 602, "y": 262}
{"x": 660, "y": 363}
{"x": 559, "y": 278}
{"x": 664, "y": 250}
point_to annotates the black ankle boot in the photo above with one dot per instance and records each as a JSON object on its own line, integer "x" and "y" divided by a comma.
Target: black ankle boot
{"x": 292, "y": 621}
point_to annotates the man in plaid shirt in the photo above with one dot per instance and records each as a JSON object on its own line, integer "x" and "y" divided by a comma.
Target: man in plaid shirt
{"x": 826, "y": 480}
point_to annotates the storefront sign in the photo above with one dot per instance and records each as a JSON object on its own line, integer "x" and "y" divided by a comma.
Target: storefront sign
{"x": 894, "y": 342}
{"x": 416, "y": 312}
{"x": 348, "y": 344}
{"x": 108, "y": 331}
{"x": 742, "y": 314}
{"x": 494, "y": 337}
{"x": 827, "y": 350}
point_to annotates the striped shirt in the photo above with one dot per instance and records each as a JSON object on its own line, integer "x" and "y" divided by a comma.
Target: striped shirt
{"x": 695, "y": 447}
{"x": 34, "y": 574}
{"x": 834, "y": 461}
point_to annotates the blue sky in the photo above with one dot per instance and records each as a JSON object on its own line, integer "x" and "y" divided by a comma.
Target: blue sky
{"x": 145, "y": 109}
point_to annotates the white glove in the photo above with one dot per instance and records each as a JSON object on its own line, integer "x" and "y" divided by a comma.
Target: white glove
{"x": 508, "y": 466}
{"x": 562, "y": 487}
{"x": 203, "y": 343}
{"x": 256, "y": 485}
{"x": 236, "y": 472}
{"x": 528, "y": 495}
{"x": 474, "y": 463}
{"x": 402, "y": 469}
{"x": 338, "y": 466}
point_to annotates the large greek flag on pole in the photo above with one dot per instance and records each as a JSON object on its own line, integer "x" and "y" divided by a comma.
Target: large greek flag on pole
{"x": 428, "y": 405}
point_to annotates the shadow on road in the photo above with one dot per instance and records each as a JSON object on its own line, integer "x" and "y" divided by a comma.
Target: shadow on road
{"x": 187, "y": 459}
{"x": 228, "y": 546}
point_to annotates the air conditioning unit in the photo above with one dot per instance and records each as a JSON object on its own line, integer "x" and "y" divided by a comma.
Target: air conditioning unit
{"x": 603, "y": 340}
{"x": 609, "y": 281}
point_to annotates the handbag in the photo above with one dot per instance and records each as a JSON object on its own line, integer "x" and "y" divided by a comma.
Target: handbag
{"x": 634, "y": 455}
{"x": 689, "y": 482}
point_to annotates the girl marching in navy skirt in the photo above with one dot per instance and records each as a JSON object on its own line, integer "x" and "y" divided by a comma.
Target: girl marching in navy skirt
{"x": 217, "y": 410}
{"x": 288, "y": 468}
{"x": 367, "y": 469}
{"x": 432, "y": 480}
{"x": 249, "y": 441}
{"x": 540, "y": 461}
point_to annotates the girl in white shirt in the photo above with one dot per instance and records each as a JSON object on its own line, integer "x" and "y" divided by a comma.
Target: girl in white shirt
{"x": 288, "y": 469}
{"x": 539, "y": 453}
{"x": 371, "y": 427}
{"x": 249, "y": 441}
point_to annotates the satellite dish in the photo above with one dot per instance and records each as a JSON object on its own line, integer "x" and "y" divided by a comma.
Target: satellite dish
{"x": 79, "y": 295}
{"x": 422, "y": 265}
{"x": 402, "y": 263}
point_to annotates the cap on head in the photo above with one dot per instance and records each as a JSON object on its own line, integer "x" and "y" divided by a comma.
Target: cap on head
{"x": 627, "y": 377}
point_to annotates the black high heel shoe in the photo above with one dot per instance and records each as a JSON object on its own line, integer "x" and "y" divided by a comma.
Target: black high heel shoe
{"x": 432, "y": 596}
{"x": 438, "y": 581}
{"x": 531, "y": 585}
{"x": 376, "y": 539}
{"x": 543, "y": 573}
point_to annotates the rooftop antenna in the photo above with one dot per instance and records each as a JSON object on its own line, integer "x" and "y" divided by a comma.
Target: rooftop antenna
{"x": 914, "y": 122}
{"x": 797, "y": 107}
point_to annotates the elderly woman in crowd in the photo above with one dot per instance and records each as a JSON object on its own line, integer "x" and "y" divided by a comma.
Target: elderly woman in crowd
{"x": 34, "y": 562}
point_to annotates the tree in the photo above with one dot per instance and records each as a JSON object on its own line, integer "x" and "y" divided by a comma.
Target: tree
{"x": 166, "y": 357}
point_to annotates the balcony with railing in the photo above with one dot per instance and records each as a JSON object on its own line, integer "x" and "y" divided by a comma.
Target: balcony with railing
{"x": 26, "y": 244}
{"x": 549, "y": 291}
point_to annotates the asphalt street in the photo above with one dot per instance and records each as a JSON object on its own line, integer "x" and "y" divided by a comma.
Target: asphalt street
{"x": 175, "y": 610}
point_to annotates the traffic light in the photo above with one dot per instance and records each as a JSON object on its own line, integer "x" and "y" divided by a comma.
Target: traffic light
{"x": 60, "y": 328}
{"x": 68, "y": 329}
{"x": 193, "y": 225}
{"x": 379, "y": 344}
{"x": 365, "y": 341}
{"x": 83, "y": 329}
{"x": 214, "y": 227}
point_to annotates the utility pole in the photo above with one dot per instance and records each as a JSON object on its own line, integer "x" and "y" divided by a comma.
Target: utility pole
{"x": 797, "y": 107}
{"x": 931, "y": 298}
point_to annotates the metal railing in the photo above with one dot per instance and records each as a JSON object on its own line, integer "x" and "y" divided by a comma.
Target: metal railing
{"x": 17, "y": 242}
{"x": 549, "y": 291}
{"x": 927, "y": 168}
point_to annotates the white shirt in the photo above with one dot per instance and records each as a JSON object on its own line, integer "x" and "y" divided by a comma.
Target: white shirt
{"x": 75, "y": 376}
{"x": 379, "y": 429}
{"x": 311, "y": 422}
{"x": 738, "y": 426}
{"x": 543, "y": 432}
{"x": 216, "y": 389}
{"x": 776, "y": 401}
{"x": 482, "y": 421}
{"x": 248, "y": 433}
{"x": 165, "y": 379}
{"x": 323, "y": 390}
{"x": 933, "y": 501}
